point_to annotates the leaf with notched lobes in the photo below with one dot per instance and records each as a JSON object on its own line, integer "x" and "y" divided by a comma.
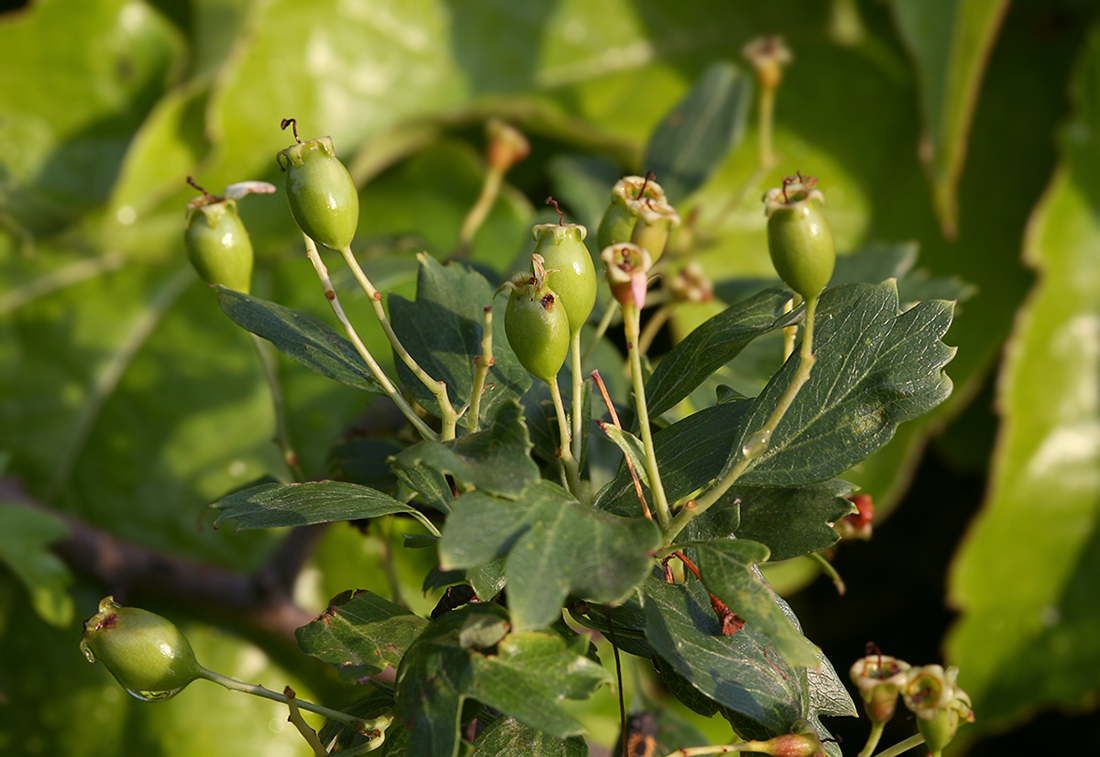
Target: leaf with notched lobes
{"x": 554, "y": 545}
{"x": 470, "y": 653}
{"x": 360, "y": 633}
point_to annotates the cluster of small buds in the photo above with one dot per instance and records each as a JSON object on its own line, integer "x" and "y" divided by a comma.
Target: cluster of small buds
{"x": 689, "y": 284}
{"x": 930, "y": 692}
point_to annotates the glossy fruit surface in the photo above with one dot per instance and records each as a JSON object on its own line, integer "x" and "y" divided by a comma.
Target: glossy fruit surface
{"x": 217, "y": 243}
{"x": 537, "y": 328}
{"x": 322, "y": 196}
{"x": 146, "y": 653}
{"x": 569, "y": 269}
{"x": 800, "y": 241}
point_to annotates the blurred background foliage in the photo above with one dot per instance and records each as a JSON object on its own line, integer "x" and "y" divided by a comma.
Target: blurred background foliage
{"x": 128, "y": 401}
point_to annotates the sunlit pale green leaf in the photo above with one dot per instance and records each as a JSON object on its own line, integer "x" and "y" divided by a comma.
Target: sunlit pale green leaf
{"x": 78, "y": 79}
{"x": 25, "y": 537}
{"x": 950, "y": 41}
{"x": 360, "y": 633}
{"x": 1027, "y": 577}
{"x": 555, "y": 545}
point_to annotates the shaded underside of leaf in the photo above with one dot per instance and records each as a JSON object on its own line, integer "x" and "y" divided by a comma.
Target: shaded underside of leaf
{"x": 300, "y": 337}
{"x": 277, "y": 505}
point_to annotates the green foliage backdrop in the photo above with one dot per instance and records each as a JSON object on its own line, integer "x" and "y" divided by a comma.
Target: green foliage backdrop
{"x": 128, "y": 400}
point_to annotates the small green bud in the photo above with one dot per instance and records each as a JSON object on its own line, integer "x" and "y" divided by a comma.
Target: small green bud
{"x": 627, "y": 267}
{"x": 940, "y": 706}
{"x": 799, "y": 238}
{"x": 319, "y": 189}
{"x": 146, "y": 653}
{"x": 569, "y": 269}
{"x": 536, "y": 323}
{"x": 217, "y": 242}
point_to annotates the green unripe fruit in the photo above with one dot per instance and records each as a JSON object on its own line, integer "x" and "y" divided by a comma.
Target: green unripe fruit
{"x": 321, "y": 194}
{"x": 800, "y": 241}
{"x": 627, "y": 199}
{"x": 569, "y": 269}
{"x": 537, "y": 327}
{"x": 146, "y": 653}
{"x": 217, "y": 243}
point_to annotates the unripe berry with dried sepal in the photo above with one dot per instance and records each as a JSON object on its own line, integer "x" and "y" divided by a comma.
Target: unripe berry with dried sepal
{"x": 940, "y": 706}
{"x": 319, "y": 189}
{"x": 631, "y": 196}
{"x": 536, "y": 323}
{"x": 146, "y": 653}
{"x": 800, "y": 241}
{"x": 879, "y": 679}
{"x": 569, "y": 269}
{"x": 217, "y": 242}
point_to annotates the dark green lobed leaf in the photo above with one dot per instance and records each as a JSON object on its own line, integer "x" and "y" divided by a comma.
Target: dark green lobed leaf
{"x": 442, "y": 329}
{"x": 507, "y": 737}
{"x": 300, "y": 337}
{"x": 876, "y": 367}
{"x": 554, "y": 546}
{"x": 496, "y": 459}
{"x": 713, "y": 344}
{"x": 523, "y": 675}
{"x": 359, "y": 634}
{"x": 277, "y": 505}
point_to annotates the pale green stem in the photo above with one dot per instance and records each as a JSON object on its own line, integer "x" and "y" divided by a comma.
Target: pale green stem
{"x": 363, "y": 726}
{"x": 578, "y": 398}
{"x": 380, "y": 375}
{"x": 872, "y": 739}
{"x": 483, "y": 363}
{"x": 632, "y": 326}
{"x": 902, "y": 746}
{"x": 829, "y": 570}
{"x": 757, "y": 443}
{"x": 437, "y": 388}
{"x": 767, "y": 111}
{"x": 572, "y": 474}
{"x": 490, "y": 189}
{"x": 698, "y": 751}
{"x": 303, "y": 727}
{"x": 282, "y": 433}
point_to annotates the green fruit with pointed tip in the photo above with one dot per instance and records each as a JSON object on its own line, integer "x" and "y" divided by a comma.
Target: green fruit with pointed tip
{"x": 217, "y": 243}
{"x": 321, "y": 194}
{"x": 537, "y": 327}
{"x": 569, "y": 269}
{"x": 146, "y": 653}
{"x": 801, "y": 246}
